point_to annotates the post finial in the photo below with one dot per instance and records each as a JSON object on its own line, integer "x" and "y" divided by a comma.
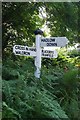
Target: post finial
{"x": 38, "y": 31}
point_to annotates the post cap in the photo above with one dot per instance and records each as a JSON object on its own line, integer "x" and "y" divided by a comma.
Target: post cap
{"x": 38, "y": 31}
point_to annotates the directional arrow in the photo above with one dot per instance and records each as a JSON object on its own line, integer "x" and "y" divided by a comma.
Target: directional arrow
{"x": 54, "y": 42}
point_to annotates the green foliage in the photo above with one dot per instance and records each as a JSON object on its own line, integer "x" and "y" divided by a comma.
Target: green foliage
{"x": 20, "y": 20}
{"x": 27, "y": 97}
{"x": 54, "y": 95}
{"x": 63, "y": 19}
{"x": 74, "y": 53}
{"x": 70, "y": 77}
{"x": 69, "y": 90}
{"x": 9, "y": 112}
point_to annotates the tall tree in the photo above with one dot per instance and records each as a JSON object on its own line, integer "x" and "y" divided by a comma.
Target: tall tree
{"x": 63, "y": 19}
{"x": 19, "y": 22}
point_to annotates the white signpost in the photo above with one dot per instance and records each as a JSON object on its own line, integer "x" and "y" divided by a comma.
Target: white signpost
{"x": 38, "y": 52}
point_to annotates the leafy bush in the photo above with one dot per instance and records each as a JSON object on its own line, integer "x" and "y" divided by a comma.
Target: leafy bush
{"x": 30, "y": 101}
{"x": 74, "y": 53}
{"x": 9, "y": 112}
{"x": 54, "y": 95}
{"x": 26, "y": 96}
{"x": 69, "y": 93}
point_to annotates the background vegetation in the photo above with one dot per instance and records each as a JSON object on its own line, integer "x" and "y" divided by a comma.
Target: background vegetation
{"x": 57, "y": 93}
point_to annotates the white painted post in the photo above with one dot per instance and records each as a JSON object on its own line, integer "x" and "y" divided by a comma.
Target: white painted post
{"x": 38, "y": 34}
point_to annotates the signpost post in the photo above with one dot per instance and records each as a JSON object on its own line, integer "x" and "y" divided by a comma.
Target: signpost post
{"x": 38, "y": 52}
{"x": 38, "y": 34}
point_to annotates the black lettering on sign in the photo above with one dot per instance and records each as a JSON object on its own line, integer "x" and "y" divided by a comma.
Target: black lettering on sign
{"x": 22, "y": 52}
{"x": 48, "y": 40}
{"x": 42, "y": 51}
{"x": 48, "y": 51}
{"x": 52, "y": 55}
{"x": 43, "y": 40}
{"x": 28, "y": 53}
{"x": 26, "y": 48}
{"x": 32, "y": 49}
{"x": 47, "y": 55}
{"x": 25, "y": 53}
{"x": 17, "y": 52}
{"x": 17, "y": 47}
{"x": 22, "y": 48}
{"x": 52, "y": 39}
{"x": 51, "y": 44}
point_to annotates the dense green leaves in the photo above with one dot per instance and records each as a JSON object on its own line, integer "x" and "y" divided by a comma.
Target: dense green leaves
{"x": 30, "y": 99}
{"x": 20, "y": 20}
{"x": 63, "y": 19}
{"x": 54, "y": 95}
